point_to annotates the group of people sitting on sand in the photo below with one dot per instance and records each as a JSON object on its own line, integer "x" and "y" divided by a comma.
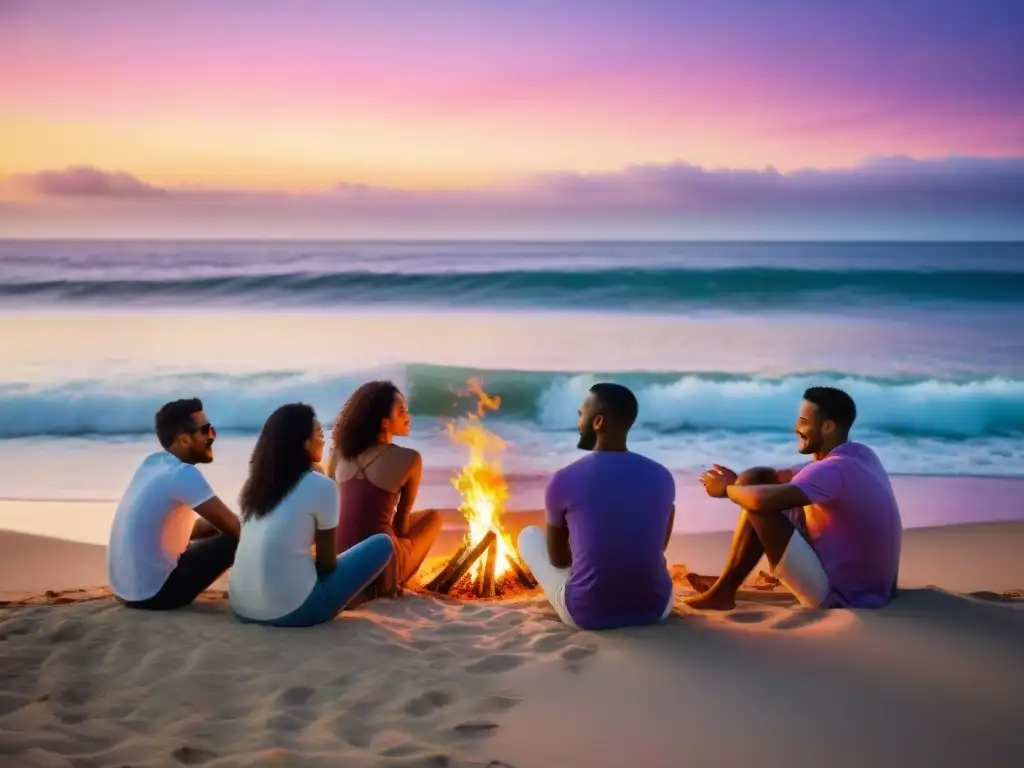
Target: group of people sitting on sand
{"x": 312, "y": 540}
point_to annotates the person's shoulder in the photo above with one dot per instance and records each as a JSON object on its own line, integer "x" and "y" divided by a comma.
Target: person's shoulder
{"x": 859, "y": 449}
{"x": 410, "y": 455}
{"x": 853, "y": 453}
{"x": 176, "y": 469}
{"x": 318, "y": 482}
{"x": 161, "y": 462}
{"x": 574, "y": 467}
{"x": 315, "y": 490}
{"x": 650, "y": 465}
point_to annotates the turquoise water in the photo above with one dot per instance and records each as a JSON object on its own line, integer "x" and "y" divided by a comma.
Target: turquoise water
{"x": 718, "y": 341}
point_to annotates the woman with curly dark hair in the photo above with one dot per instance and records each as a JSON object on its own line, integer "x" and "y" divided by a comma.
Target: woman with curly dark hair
{"x": 287, "y": 507}
{"x": 378, "y": 482}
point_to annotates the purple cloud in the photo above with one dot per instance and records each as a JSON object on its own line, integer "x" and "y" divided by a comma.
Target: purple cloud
{"x": 970, "y": 197}
{"x": 956, "y": 183}
{"x": 87, "y": 181}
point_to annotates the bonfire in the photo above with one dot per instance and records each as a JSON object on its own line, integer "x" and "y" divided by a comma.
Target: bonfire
{"x": 487, "y": 563}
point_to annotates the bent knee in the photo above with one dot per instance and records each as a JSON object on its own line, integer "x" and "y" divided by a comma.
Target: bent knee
{"x": 530, "y": 533}
{"x": 758, "y": 476}
{"x": 380, "y": 545}
{"x": 432, "y": 520}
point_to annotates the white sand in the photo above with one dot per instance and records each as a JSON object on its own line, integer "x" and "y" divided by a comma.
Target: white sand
{"x": 935, "y": 679}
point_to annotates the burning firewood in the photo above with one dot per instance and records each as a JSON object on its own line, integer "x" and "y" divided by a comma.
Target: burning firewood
{"x": 466, "y": 563}
{"x": 485, "y": 579}
{"x": 487, "y": 554}
{"x": 484, "y": 490}
{"x": 522, "y": 572}
{"x": 445, "y": 573}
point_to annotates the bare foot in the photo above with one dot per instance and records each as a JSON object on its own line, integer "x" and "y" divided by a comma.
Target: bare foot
{"x": 700, "y": 583}
{"x": 712, "y": 601}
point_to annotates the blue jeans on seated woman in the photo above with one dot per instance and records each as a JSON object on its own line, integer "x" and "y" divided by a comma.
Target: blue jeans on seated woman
{"x": 357, "y": 568}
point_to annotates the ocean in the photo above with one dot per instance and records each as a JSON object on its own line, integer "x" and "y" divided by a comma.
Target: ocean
{"x": 718, "y": 340}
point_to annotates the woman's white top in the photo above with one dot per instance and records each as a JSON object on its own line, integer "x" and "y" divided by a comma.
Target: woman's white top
{"x": 274, "y": 570}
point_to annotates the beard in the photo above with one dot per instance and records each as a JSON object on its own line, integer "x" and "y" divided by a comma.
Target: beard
{"x": 203, "y": 455}
{"x": 588, "y": 437}
{"x": 808, "y": 446}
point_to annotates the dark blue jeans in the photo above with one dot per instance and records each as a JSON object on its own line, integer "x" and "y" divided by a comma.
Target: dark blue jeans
{"x": 357, "y": 568}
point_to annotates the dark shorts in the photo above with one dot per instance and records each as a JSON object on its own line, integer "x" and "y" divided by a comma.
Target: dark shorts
{"x": 198, "y": 567}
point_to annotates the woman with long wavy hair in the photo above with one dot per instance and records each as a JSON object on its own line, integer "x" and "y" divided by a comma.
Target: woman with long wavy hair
{"x": 378, "y": 482}
{"x": 287, "y": 508}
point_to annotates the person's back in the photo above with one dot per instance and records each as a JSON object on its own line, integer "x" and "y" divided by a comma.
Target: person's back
{"x": 617, "y": 507}
{"x": 368, "y": 496}
{"x": 274, "y": 572}
{"x": 153, "y": 524}
{"x": 853, "y": 524}
{"x": 287, "y": 572}
{"x": 379, "y": 481}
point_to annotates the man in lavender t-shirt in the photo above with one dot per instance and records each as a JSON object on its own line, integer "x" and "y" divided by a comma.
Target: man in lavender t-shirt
{"x": 609, "y": 516}
{"x": 842, "y": 549}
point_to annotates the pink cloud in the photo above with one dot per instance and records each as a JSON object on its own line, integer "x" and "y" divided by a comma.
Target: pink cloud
{"x": 83, "y": 181}
{"x": 890, "y": 183}
{"x": 956, "y": 196}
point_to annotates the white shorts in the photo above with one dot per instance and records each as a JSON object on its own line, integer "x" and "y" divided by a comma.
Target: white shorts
{"x": 533, "y": 548}
{"x": 801, "y": 573}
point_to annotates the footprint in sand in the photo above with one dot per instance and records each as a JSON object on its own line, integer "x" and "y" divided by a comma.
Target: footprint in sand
{"x": 495, "y": 663}
{"x": 747, "y": 617}
{"x": 798, "y": 620}
{"x": 426, "y": 703}
{"x": 577, "y": 652}
{"x": 67, "y": 632}
{"x": 573, "y": 656}
{"x": 72, "y": 697}
{"x": 358, "y": 735}
{"x": 549, "y": 642}
{"x": 342, "y": 681}
{"x": 437, "y": 760}
{"x": 475, "y": 727}
{"x": 296, "y": 696}
{"x": 495, "y": 704}
{"x": 192, "y": 755}
{"x": 284, "y": 722}
{"x": 400, "y": 750}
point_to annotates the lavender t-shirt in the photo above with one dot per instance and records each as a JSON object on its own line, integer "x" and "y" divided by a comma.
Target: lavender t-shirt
{"x": 853, "y": 524}
{"x": 617, "y": 507}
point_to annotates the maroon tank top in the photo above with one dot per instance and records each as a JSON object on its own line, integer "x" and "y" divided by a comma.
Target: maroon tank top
{"x": 367, "y": 509}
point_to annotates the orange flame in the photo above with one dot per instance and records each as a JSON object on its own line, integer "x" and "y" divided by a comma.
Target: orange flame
{"x": 481, "y": 482}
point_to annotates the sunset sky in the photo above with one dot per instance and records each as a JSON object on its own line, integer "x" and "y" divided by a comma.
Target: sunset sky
{"x": 340, "y": 118}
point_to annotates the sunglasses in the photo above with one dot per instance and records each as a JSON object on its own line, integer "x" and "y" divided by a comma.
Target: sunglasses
{"x": 206, "y": 429}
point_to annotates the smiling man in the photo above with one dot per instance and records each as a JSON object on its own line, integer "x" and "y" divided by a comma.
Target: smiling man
{"x": 172, "y": 537}
{"x": 842, "y": 549}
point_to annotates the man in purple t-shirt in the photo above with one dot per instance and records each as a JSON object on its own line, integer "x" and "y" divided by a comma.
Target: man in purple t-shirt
{"x": 842, "y": 549}
{"x": 609, "y": 516}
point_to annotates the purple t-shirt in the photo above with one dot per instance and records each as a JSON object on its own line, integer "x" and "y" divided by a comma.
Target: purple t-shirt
{"x": 617, "y": 507}
{"x": 853, "y": 524}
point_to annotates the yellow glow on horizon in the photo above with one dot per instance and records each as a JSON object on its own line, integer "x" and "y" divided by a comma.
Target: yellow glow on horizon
{"x": 308, "y": 152}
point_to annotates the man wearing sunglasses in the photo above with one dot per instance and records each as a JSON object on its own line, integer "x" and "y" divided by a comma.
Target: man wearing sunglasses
{"x": 161, "y": 555}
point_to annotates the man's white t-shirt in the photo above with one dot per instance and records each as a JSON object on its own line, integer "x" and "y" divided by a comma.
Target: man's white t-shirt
{"x": 274, "y": 570}
{"x": 153, "y": 525}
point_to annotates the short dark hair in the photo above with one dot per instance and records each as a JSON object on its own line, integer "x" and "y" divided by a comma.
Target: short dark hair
{"x": 617, "y": 403}
{"x": 174, "y": 418}
{"x": 833, "y": 404}
{"x": 358, "y": 424}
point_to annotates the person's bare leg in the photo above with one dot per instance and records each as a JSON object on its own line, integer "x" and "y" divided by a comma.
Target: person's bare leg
{"x": 744, "y": 555}
{"x": 423, "y": 530}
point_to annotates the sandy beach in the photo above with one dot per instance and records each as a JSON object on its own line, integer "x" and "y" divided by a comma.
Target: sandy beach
{"x": 934, "y": 679}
